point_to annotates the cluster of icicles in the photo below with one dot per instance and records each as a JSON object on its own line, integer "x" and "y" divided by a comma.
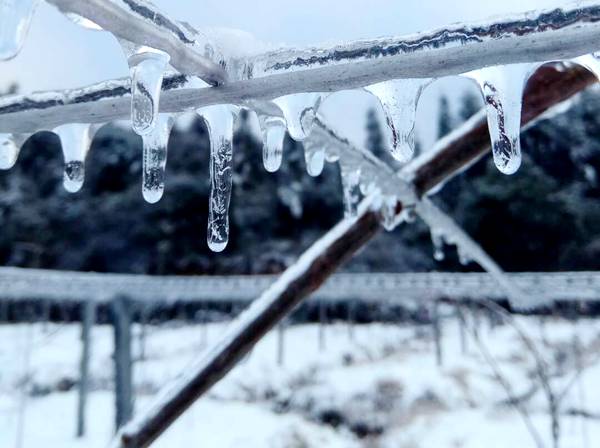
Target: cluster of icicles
{"x": 502, "y": 89}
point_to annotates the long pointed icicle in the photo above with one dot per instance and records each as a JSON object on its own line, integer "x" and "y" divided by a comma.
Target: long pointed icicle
{"x": 10, "y": 146}
{"x": 351, "y": 188}
{"x": 273, "y": 138}
{"x": 147, "y": 67}
{"x": 155, "y": 159}
{"x": 502, "y": 89}
{"x": 300, "y": 110}
{"x": 75, "y": 140}
{"x": 399, "y": 100}
{"x": 15, "y": 19}
{"x": 220, "y": 121}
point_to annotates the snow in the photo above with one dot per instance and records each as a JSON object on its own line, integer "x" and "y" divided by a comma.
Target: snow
{"x": 384, "y": 378}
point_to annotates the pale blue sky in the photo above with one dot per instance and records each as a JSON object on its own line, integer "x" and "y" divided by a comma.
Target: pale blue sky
{"x": 59, "y": 54}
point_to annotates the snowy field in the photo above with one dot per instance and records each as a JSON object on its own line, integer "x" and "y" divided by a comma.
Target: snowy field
{"x": 379, "y": 388}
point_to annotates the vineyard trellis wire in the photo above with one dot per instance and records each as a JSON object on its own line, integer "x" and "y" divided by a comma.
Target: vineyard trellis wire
{"x": 561, "y": 34}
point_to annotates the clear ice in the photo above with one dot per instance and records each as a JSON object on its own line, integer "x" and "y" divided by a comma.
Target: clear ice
{"x": 220, "y": 121}
{"x": 75, "y": 140}
{"x": 147, "y": 67}
{"x": 15, "y": 18}
{"x": 399, "y": 100}
{"x": 351, "y": 188}
{"x": 591, "y": 62}
{"x": 299, "y": 111}
{"x": 273, "y": 138}
{"x": 155, "y": 159}
{"x": 502, "y": 88}
{"x": 314, "y": 156}
{"x": 82, "y": 21}
{"x": 437, "y": 239}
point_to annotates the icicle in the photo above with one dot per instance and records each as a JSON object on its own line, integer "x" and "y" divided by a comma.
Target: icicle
{"x": 299, "y": 111}
{"x": 155, "y": 159}
{"x": 10, "y": 145}
{"x": 220, "y": 121}
{"x": 351, "y": 186}
{"x": 463, "y": 256}
{"x": 437, "y": 239}
{"x": 75, "y": 140}
{"x": 502, "y": 89}
{"x": 147, "y": 68}
{"x": 399, "y": 100}
{"x": 314, "y": 156}
{"x": 15, "y": 18}
{"x": 273, "y": 137}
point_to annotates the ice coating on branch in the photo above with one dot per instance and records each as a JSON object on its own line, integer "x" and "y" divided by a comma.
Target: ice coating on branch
{"x": 219, "y": 120}
{"x": 75, "y": 140}
{"x": 15, "y": 18}
{"x": 314, "y": 157}
{"x": 399, "y": 100}
{"x": 351, "y": 188}
{"x": 10, "y": 146}
{"x": 591, "y": 62}
{"x": 299, "y": 111}
{"x": 82, "y": 21}
{"x": 155, "y": 159}
{"x": 502, "y": 88}
{"x": 147, "y": 68}
{"x": 273, "y": 137}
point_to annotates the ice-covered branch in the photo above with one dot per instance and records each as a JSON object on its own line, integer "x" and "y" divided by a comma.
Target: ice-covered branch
{"x": 560, "y": 34}
{"x": 142, "y": 23}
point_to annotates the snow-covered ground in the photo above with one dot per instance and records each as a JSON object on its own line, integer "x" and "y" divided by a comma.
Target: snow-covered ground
{"x": 381, "y": 388}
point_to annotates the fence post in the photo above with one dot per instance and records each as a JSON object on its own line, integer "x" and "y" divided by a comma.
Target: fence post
{"x": 462, "y": 325}
{"x": 88, "y": 318}
{"x": 322, "y": 320}
{"x": 437, "y": 333}
{"x": 281, "y": 342}
{"x": 121, "y": 313}
{"x": 351, "y": 318}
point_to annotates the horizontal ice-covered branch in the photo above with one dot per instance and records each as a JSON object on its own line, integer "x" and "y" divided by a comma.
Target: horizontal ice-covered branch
{"x": 142, "y": 23}
{"x": 559, "y": 34}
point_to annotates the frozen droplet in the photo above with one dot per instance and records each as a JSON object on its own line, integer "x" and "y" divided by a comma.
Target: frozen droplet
{"x": 82, "y": 21}
{"x": 502, "y": 88}
{"x": 351, "y": 188}
{"x": 75, "y": 140}
{"x": 273, "y": 138}
{"x": 399, "y": 100}
{"x": 15, "y": 18}
{"x": 147, "y": 67}
{"x": 220, "y": 121}
{"x": 437, "y": 239}
{"x": 155, "y": 159}
{"x": 314, "y": 156}
{"x": 299, "y": 111}
{"x": 591, "y": 62}
{"x": 10, "y": 145}
{"x": 463, "y": 256}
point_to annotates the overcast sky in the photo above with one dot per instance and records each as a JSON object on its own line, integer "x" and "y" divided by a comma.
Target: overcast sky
{"x": 59, "y": 54}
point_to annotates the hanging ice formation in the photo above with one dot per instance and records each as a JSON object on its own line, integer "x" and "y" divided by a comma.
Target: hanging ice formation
{"x": 314, "y": 157}
{"x": 15, "y": 18}
{"x": 502, "y": 88}
{"x": 147, "y": 68}
{"x": 220, "y": 121}
{"x": 273, "y": 129}
{"x": 155, "y": 158}
{"x": 437, "y": 240}
{"x": 299, "y": 111}
{"x": 75, "y": 140}
{"x": 10, "y": 146}
{"x": 350, "y": 176}
{"x": 399, "y": 100}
